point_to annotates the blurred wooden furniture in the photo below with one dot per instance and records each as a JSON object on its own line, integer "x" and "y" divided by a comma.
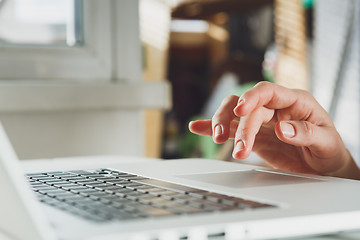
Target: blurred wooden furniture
{"x": 203, "y": 9}
{"x": 291, "y": 43}
{"x": 154, "y": 30}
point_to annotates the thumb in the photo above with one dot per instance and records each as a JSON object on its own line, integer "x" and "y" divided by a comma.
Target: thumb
{"x": 321, "y": 140}
{"x": 323, "y": 149}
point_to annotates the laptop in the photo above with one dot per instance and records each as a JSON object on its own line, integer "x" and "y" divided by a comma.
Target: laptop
{"x": 174, "y": 199}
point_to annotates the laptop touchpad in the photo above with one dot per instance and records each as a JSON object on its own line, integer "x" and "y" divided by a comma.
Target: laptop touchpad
{"x": 246, "y": 179}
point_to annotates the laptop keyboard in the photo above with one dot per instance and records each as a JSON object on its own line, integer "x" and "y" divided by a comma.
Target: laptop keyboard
{"x": 105, "y": 195}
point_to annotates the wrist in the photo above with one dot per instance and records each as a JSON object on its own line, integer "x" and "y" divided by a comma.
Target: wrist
{"x": 348, "y": 170}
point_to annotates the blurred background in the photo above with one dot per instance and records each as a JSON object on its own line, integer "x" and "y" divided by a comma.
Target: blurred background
{"x": 127, "y": 52}
{"x": 218, "y": 48}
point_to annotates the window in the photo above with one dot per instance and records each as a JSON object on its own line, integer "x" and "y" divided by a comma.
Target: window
{"x": 41, "y": 22}
{"x": 85, "y": 88}
{"x": 73, "y": 44}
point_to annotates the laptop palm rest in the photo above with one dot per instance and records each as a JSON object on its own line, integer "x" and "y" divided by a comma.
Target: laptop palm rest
{"x": 247, "y": 179}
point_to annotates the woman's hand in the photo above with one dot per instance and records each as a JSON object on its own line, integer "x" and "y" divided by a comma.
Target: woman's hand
{"x": 287, "y": 128}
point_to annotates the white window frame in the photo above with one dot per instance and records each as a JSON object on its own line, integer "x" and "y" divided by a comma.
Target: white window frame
{"x": 110, "y": 64}
{"x": 92, "y": 61}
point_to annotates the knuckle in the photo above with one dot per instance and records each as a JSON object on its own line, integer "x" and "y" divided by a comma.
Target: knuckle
{"x": 246, "y": 132}
{"x": 309, "y": 130}
{"x": 263, "y": 84}
{"x": 216, "y": 119}
{"x": 305, "y": 94}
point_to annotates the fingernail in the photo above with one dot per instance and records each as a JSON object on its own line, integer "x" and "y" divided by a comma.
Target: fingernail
{"x": 287, "y": 129}
{"x": 240, "y": 103}
{"x": 217, "y": 130}
{"x": 239, "y": 146}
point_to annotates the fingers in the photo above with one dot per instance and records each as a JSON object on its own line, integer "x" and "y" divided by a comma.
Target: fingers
{"x": 248, "y": 128}
{"x": 222, "y": 119}
{"x": 267, "y": 95}
{"x": 201, "y": 127}
{"x": 257, "y": 107}
{"x": 204, "y": 127}
{"x": 298, "y": 104}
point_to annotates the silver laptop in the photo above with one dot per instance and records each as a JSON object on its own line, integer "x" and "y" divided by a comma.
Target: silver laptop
{"x": 177, "y": 199}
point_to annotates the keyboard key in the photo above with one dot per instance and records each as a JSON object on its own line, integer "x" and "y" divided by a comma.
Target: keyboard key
{"x": 214, "y": 197}
{"x": 64, "y": 195}
{"x": 80, "y": 172}
{"x": 71, "y": 177}
{"x": 69, "y": 186}
{"x": 38, "y": 176}
{"x": 117, "y": 181}
{"x": 147, "y": 199}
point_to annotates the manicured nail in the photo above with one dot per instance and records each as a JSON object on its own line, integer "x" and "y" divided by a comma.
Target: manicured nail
{"x": 239, "y": 146}
{"x": 287, "y": 129}
{"x": 217, "y": 130}
{"x": 240, "y": 103}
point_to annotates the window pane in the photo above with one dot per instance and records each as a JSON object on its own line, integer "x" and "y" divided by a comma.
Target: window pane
{"x": 41, "y": 22}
